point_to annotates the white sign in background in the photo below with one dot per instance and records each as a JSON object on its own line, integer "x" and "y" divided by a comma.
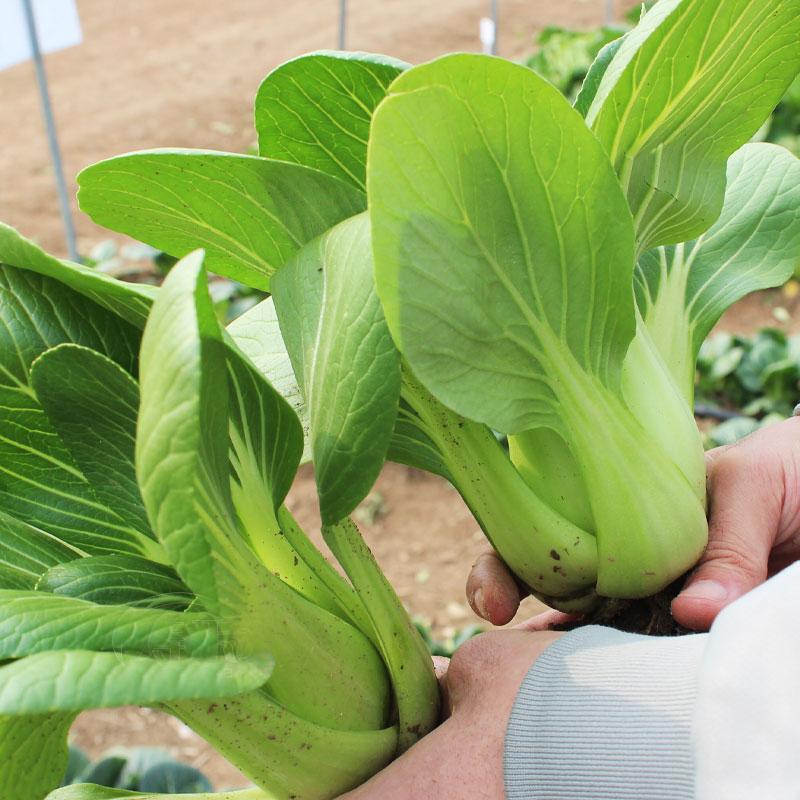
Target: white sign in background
{"x": 57, "y": 26}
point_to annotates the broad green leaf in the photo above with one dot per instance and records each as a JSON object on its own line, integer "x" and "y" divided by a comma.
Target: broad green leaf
{"x": 591, "y": 82}
{"x": 12, "y": 579}
{"x": 118, "y": 579}
{"x": 40, "y": 484}
{"x": 182, "y": 461}
{"x": 26, "y": 553}
{"x": 87, "y": 791}
{"x": 336, "y": 334}
{"x": 488, "y": 268}
{"x": 182, "y": 441}
{"x": 683, "y": 290}
{"x": 248, "y": 213}
{"x": 33, "y": 754}
{"x": 689, "y": 86}
{"x": 75, "y": 680}
{"x": 34, "y": 622}
{"x": 92, "y": 403}
{"x": 411, "y": 445}
{"x": 316, "y": 110}
{"x": 266, "y": 435}
{"x": 258, "y": 334}
{"x": 131, "y": 301}
{"x": 504, "y": 255}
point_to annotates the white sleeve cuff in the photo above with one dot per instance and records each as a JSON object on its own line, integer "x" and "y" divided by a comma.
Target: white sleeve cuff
{"x": 605, "y": 715}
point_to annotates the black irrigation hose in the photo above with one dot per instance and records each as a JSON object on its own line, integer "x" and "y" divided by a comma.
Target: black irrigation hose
{"x": 713, "y": 412}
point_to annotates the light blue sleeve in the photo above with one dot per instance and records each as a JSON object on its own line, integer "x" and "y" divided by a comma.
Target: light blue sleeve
{"x": 605, "y": 715}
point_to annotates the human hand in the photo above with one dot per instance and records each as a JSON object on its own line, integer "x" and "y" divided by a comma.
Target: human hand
{"x": 754, "y": 532}
{"x": 754, "y": 521}
{"x": 494, "y": 594}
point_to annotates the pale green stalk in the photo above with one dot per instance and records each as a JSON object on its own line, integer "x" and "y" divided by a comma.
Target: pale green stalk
{"x": 404, "y": 652}
{"x": 345, "y": 597}
{"x": 550, "y": 554}
{"x": 655, "y": 400}
{"x": 650, "y": 524}
{"x": 548, "y": 466}
{"x": 283, "y": 547}
{"x": 284, "y": 754}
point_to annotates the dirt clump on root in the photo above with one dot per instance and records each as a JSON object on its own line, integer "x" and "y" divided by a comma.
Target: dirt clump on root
{"x": 647, "y": 615}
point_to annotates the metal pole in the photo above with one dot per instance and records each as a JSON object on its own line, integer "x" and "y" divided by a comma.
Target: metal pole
{"x": 55, "y": 154}
{"x": 609, "y": 12}
{"x": 342, "y": 24}
{"x": 494, "y": 12}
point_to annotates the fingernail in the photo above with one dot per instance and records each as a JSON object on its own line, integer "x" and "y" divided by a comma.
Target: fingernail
{"x": 706, "y": 590}
{"x": 479, "y": 559}
{"x": 478, "y": 603}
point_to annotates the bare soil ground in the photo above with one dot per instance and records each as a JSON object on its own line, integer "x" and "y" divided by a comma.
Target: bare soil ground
{"x": 171, "y": 73}
{"x": 158, "y": 73}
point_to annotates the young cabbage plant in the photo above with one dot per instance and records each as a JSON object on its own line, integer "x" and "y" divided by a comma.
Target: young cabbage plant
{"x": 142, "y": 769}
{"x": 542, "y": 271}
{"x": 332, "y": 356}
{"x": 147, "y": 556}
{"x": 507, "y": 235}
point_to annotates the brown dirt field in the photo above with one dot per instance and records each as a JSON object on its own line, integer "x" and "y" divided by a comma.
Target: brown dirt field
{"x": 165, "y": 73}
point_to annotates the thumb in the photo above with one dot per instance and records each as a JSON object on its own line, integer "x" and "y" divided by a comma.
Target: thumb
{"x": 745, "y": 513}
{"x": 492, "y": 591}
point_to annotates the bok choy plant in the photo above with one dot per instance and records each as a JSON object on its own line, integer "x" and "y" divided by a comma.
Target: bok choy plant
{"x": 147, "y": 557}
{"x": 526, "y": 260}
{"x": 452, "y": 250}
{"x": 523, "y": 267}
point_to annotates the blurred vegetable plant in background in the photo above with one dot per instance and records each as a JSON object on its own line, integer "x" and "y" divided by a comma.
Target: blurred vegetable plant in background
{"x": 747, "y": 382}
{"x": 139, "y": 263}
{"x": 784, "y": 126}
{"x": 137, "y": 769}
{"x": 563, "y": 56}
